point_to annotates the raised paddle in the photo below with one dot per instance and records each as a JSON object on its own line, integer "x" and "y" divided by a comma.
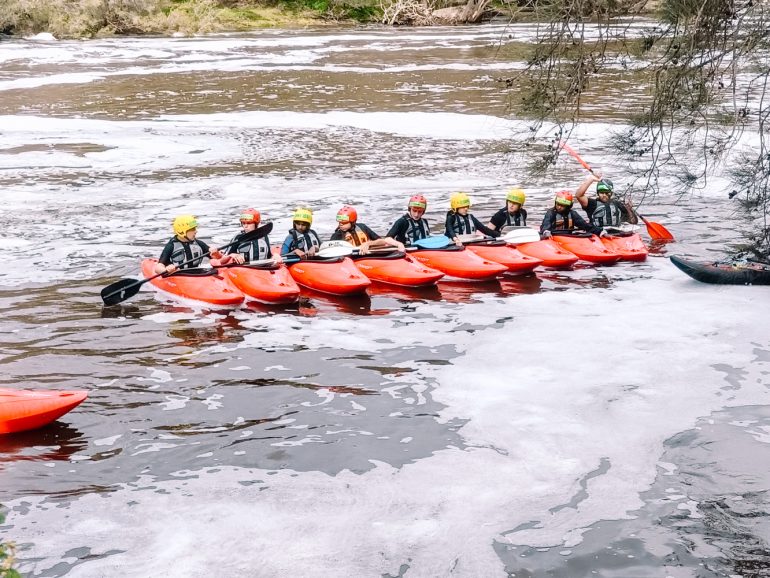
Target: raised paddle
{"x": 656, "y": 231}
{"x": 126, "y": 288}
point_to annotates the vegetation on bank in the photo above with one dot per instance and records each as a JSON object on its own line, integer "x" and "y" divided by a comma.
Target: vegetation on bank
{"x": 7, "y": 556}
{"x": 97, "y": 18}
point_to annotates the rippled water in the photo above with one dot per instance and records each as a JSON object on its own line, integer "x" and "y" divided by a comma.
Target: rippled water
{"x": 604, "y": 421}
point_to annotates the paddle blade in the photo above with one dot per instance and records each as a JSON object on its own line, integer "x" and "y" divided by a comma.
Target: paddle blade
{"x": 657, "y": 231}
{"x": 120, "y": 291}
{"x": 433, "y": 242}
{"x": 523, "y": 235}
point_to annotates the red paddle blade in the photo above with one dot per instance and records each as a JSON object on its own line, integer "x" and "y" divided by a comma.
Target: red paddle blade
{"x": 658, "y": 231}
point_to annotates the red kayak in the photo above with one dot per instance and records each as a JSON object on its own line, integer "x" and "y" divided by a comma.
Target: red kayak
{"x": 499, "y": 252}
{"x": 396, "y": 269}
{"x": 272, "y": 284}
{"x": 25, "y": 409}
{"x": 629, "y": 246}
{"x": 587, "y": 247}
{"x": 199, "y": 284}
{"x": 549, "y": 252}
{"x": 457, "y": 262}
{"x": 337, "y": 276}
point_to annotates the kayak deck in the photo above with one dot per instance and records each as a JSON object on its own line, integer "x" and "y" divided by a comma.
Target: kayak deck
{"x": 24, "y": 409}
{"x": 206, "y": 286}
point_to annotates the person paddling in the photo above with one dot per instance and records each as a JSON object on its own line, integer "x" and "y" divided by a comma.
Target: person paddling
{"x": 513, "y": 214}
{"x": 301, "y": 240}
{"x": 412, "y": 226}
{"x": 184, "y": 246}
{"x": 603, "y": 210}
{"x": 459, "y": 220}
{"x": 562, "y": 217}
{"x": 255, "y": 249}
{"x": 358, "y": 234}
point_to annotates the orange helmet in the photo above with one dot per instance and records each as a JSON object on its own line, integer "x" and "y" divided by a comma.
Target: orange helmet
{"x": 250, "y": 216}
{"x": 564, "y": 198}
{"x": 418, "y": 201}
{"x": 347, "y": 214}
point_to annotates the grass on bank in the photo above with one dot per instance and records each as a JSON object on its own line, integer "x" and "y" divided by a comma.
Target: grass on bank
{"x": 98, "y": 18}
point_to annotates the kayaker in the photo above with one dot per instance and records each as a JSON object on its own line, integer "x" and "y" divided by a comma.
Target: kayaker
{"x": 184, "y": 246}
{"x": 256, "y": 249}
{"x": 411, "y": 227}
{"x": 350, "y": 230}
{"x": 459, "y": 221}
{"x": 301, "y": 240}
{"x": 603, "y": 210}
{"x": 513, "y": 214}
{"x": 564, "y": 218}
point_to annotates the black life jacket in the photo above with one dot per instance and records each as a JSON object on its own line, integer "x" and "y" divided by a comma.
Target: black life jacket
{"x": 182, "y": 252}
{"x": 607, "y": 214}
{"x": 254, "y": 250}
{"x": 304, "y": 241}
{"x": 517, "y": 219}
{"x": 461, "y": 225}
{"x": 418, "y": 229}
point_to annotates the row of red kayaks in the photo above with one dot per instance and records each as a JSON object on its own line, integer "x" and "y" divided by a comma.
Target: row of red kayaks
{"x": 279, "y": 284}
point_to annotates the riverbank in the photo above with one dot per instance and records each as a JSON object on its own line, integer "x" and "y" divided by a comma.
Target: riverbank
{"x": 100, "y": 18}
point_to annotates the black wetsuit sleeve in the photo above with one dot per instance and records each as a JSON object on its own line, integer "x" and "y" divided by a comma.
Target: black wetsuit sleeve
{"x": 583, "y": 225}
{"x": 449, "y": 230}
{"x": 398, "y": 230}
{"x": 165, "y": 254}
{"x": 498, "y": 219}
{"x": 548, "y": 221}
{"x": 368, "y": 232}
{"x": 483, "y": 228}
{"x": 591, "y": 207}
{"x": 337, "y": 235}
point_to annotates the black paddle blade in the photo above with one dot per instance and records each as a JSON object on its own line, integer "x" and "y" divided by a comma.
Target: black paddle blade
{"x": 257, "y": 233}
{"x": 120, "y": 291}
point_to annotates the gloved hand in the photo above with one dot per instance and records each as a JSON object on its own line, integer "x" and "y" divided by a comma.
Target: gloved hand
{"x": 604, "y": 233}
{"x": 546, "y": 235}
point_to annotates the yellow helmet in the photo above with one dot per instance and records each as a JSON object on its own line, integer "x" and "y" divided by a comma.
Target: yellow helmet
{"x": 516, "y": 196}
{"x": 184, "y": 223}
{"x": 303, "y": 215}
{"x": 459, "y": 200}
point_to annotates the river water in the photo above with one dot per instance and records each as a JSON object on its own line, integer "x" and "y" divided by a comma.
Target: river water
{"x": 608, "y": 421}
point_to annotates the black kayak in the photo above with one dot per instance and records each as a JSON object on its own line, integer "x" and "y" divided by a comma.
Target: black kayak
{"x": 744, "y": 273}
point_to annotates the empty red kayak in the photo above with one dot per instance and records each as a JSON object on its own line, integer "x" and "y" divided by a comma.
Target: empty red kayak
{"x": 25, "y": 409}
{"x": 629, "y": 246}
{"x": 499, "y": 252}
{"x": 337, "y": 276}
{"x": 199, "y": 284}
{"x": 271, "y": 284}
{"x": 458, "y": 262}
{"x": 587, "y": 247}
{"x": 550, "y": 253}
{"x": 396, "y": 269}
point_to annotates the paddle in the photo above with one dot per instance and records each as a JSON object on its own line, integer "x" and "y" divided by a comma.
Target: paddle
{"x": 433, "y": 242}
{"x": 341, "y": 248}
{"x": 126, "y": 288}
{"x": 656, "y": 231}
{"x": 520, "y": 235}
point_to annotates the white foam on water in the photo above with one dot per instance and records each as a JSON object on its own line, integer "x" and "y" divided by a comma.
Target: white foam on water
{"x": 543, "y": 406}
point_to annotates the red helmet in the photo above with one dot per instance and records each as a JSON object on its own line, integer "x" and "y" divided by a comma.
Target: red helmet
{"x": 347, "y": 214}
{"x": 250, "y": 216}
{"x": 418, "y": 201}
{"x": 564, "y": 198}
